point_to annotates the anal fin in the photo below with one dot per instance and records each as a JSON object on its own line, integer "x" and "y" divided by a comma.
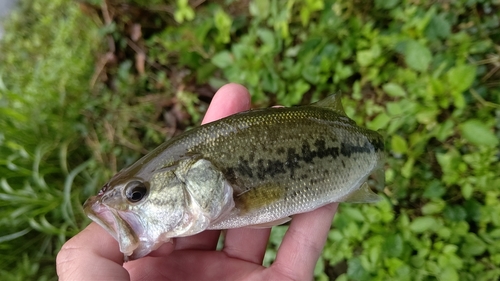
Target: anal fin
{"x": 362, "y": 195}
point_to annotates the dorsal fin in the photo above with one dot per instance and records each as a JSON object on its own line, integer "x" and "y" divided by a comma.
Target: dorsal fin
{"x": 332, "y": 102}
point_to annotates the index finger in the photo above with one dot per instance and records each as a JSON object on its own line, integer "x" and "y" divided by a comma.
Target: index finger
{"x": 229, "y": 99}
{"x": 304, "y": 242}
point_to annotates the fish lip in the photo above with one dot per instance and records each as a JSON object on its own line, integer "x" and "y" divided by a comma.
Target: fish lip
{"x": 101, "y": 214}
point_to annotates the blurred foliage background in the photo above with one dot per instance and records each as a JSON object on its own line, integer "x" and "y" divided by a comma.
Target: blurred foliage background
{"x": 88, "y": 87}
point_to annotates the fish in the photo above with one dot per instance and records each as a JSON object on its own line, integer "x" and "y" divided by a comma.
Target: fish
{"x": 251, "y": 169}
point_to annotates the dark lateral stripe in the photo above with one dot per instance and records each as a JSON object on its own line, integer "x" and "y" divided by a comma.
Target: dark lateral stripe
{"x": 347, "y": 149}
{"x": 263, "y": 168}
{"x": 254, "y": 167}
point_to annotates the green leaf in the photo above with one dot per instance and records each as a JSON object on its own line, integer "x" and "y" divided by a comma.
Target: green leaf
{"x": 467, "y": 190}
{"x": 393, "y": 245}
{"x": 417, "y": 56}
{"x": 295, "y": 92}
{"x": 476, "y": 132}
{"x": 309, "y": 7}
{"x": 454, "y": 213}
{"x": 434, "y": 190}
{"x": 427, "y": 115}
{"x": 223, "y": 24}
{"x": 445, "y": 129}
{"x": 354, "y": 214}
{"x": 277, "y": 233}
{"x": 394, "y": 108}
{"x": 320, "y": 267}
{"x": 407, "y": 168}
{"x": 341, "y": 72}
{"x": 422, "y": 224}
{"x": 267, "y": 37}
{"x": 259, "y": 8}
{"x": 356, "y": 271}
{"x": 222, "y": 59}
{"x": 398, "y": 144}
{"x": 269, "y": 82}
{"x": 183, "y": 11}
{"x": 461, "y": 77}
{"x": 449, "y": 274}
{"x": 367, "y": 57}
{"x": 379, "y": 122}
{"x": 394, "y": 90}
{"x": 438, "y": 27}
{"x": 473, "y": 245}
{"x": 432, "y": 208}
{"x": 311, "y": 74}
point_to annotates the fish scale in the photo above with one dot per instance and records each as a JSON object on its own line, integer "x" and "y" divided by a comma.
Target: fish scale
{"x": 254, "y": 168}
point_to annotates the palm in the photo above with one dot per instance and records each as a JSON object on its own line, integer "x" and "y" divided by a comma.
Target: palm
{"x": 195, "y": 258}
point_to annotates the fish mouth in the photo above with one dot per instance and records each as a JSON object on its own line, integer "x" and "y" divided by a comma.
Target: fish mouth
{"x": 100, "y": 214}
{"x": 121, "y": 225}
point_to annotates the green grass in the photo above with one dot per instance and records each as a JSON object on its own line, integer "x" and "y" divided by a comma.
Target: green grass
{"x": 44, "y": 72}
{"x": 76, "y": 106}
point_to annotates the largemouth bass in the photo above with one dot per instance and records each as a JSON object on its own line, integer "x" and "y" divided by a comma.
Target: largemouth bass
{"x": 255, "y": 168}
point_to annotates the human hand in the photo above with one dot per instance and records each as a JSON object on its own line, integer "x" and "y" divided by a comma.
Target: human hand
{"x": 93, "y": 254}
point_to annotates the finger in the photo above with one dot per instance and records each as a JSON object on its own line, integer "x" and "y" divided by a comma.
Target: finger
{"x": 229, "y": 99}
{"x": 164, "y": 250}
{"x": 206, "y": 240}
{"x": 247, "y": 244}
{"x": 91, "y": 255}
{"x": 194, "y": 265}
{"x": 304, "y": 242}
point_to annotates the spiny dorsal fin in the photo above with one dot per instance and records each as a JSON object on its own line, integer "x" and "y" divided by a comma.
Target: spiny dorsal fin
{"x": 332, "y": 102}
{"x": 362, "y": 195}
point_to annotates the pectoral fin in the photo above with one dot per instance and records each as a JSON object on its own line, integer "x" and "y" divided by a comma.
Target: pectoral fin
{"x": 271, "y": 223}
{"x": 362, "y": 195}
{"x": 259, "y": 197}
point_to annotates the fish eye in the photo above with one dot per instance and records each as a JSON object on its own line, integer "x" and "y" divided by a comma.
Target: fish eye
{"x": 135, "y": 191}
